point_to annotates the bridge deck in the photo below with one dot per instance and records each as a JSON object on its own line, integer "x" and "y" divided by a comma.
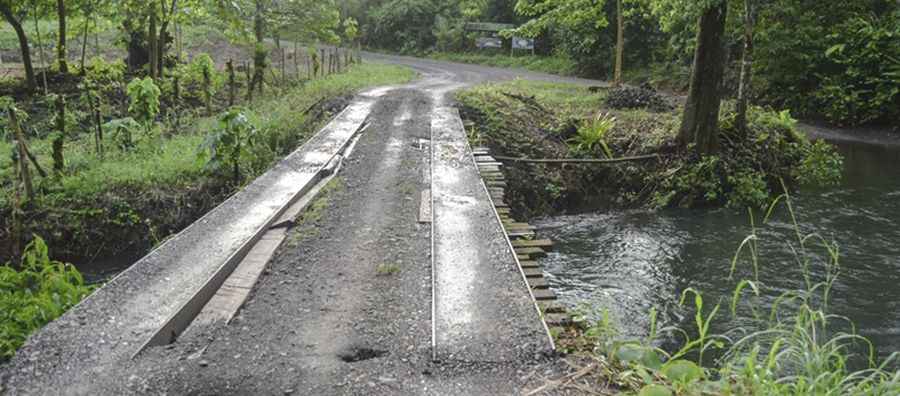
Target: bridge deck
{"x": 482, "y": 308}
{"x": 112, "y": 324}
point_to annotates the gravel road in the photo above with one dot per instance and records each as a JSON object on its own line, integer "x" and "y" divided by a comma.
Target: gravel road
{"x": 346, "y": 305}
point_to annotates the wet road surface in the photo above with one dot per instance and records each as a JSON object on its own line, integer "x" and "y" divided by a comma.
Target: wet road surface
{"x": 346, "y": 305}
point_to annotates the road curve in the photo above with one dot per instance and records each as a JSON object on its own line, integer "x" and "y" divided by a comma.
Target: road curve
{"x": 347, "y": 305}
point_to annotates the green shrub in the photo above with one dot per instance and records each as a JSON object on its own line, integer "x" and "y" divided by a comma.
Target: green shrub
{"x": 34, "y": 294}
{"x": 748, "y": 188}
{"x": 865, "y": 86}
{"x": 103, "y": 72}
{"x": 122, "y": 131}
{"x": 227, "y": 147}
{"x": 144, "y": 101}
{"x": 822, "y": 165}
{"x": 752, "y": 165}
{"x": 592, "y": 133}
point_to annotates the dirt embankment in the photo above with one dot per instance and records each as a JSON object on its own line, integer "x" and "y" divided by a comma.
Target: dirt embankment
{"x": 129, "y": 220}
{"x": 637, "y": 127}
{"x": 516, "y": 124}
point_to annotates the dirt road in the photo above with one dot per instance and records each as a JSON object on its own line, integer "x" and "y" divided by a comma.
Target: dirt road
{"x": 355, "y": 298}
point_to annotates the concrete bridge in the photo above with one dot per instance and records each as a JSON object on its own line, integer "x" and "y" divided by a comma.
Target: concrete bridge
{"x": 407, "y": 283}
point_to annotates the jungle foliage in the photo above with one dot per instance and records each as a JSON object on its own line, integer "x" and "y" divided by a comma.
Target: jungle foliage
{"x": 819, "y": 58}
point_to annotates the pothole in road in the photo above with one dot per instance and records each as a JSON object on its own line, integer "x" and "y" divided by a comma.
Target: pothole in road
{"x": 358, "y": 354}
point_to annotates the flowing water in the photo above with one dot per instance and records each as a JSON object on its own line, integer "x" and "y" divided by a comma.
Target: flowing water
{"x": 630, "y": 261}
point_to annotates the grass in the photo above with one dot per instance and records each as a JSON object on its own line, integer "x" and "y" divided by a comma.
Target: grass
{"x": 387, "y": 269}
{"x": 305, "y": 226}
{"x": 98, "y": 205}
{"x": 564, "y": 98}
{"x": 559, "y": 65}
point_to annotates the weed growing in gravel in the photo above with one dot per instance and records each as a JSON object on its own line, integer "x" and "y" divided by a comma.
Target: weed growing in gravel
{"x": 387, "y": 269}
{"x": 306, "y": 226}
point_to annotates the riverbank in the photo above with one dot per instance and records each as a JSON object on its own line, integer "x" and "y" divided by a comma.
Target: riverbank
{"x": 636, "y": 126}
{"x": 668, "y": 299}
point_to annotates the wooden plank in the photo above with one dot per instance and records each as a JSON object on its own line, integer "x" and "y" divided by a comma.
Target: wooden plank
{"x": 558, "y": 319}
{"x": 502, "y": 210}
{"x": 520, "y": 226}
{"x": 533, "y": 272}
{"x": 529, "y": 264}
{"x": 545, "y": 244}
{"x": 521, "y": 257}
{"x": 425, "y": 207}
{"x": 484, "y": 158}
{"x": 543, "y": 294}
{"x": 533, "y": 252}
{"x": 518, "y": 234}
{"x": 551, "y": 307}
{"x": 538, "y": 283}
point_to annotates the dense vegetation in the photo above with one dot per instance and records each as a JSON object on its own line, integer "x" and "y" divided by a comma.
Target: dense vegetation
{"x": 162, "y": 111}
{"x": 525, "y": 119}
{"x": 111, "y": 145}
{"x": 34, "y": 294}
{"x": 830, "y": 58}
{"x": 178, "y": 104}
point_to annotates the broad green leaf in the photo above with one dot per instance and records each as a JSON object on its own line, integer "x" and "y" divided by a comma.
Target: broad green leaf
{"x": 655, "y": 390}
{"x": 682, "y": 371}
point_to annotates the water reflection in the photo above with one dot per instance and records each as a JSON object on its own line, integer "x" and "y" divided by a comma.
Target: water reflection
{"x": 630, "y": 261}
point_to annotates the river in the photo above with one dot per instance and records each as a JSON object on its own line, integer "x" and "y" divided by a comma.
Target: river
{"x": 629, "y": 261}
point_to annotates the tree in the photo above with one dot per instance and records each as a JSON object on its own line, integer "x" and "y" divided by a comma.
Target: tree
{"x": 746, "y": 67}
{"x": 700, "y": 120}
{"x": 14, "y": 13}
{"x": 620, "y": 42}
{"x": 61, "y": 36}
{"x": 583, "y": 19}
{"x": 545, "y": 14}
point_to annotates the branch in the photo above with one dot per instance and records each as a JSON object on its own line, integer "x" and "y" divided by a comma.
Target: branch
{"x": 578, "y": 160}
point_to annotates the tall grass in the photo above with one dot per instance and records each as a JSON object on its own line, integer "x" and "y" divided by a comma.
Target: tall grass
{"x": 799, "y": 349}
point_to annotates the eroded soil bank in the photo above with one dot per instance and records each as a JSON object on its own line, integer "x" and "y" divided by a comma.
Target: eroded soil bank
{"x": 635, "y": 129}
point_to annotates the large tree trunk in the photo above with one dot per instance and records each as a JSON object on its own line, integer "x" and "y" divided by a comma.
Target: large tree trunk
{"x": 746, "y": 68}
{"x": 30, "y": 80}
{"x": 700, "y": 121}
{"x": 61, "y": 42}
{"x": 620, "y": 43}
